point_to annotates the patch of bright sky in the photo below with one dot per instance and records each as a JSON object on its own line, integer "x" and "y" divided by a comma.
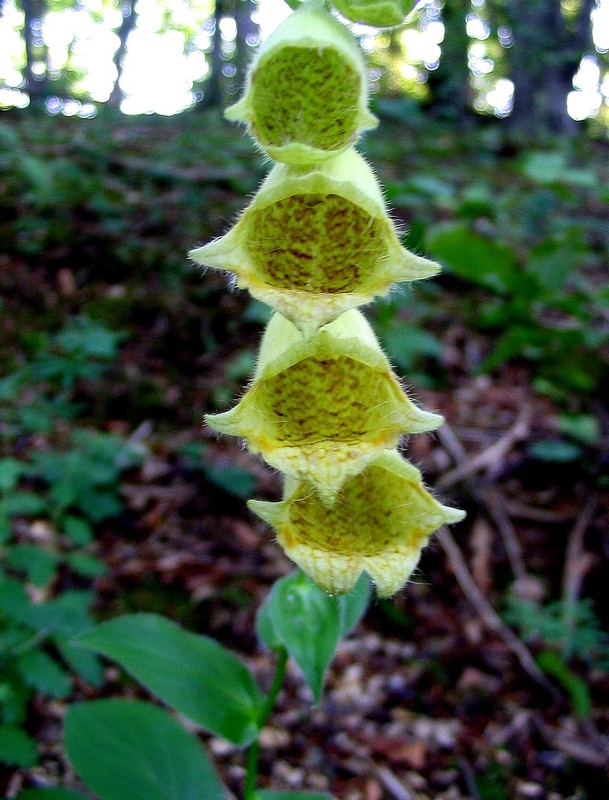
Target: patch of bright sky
{"x": 159, "y": 71}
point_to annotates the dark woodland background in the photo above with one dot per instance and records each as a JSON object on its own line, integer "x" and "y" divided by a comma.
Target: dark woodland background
{"x": 487, "y": 677}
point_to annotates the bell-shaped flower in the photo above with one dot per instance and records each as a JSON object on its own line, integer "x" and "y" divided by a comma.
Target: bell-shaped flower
{"x": 379, "y": 13}
{"x": 306, "y": 93}
{"x": 314, "y": 243}
{"x": 321, "y": 410}
{"x": 381, "y": 520}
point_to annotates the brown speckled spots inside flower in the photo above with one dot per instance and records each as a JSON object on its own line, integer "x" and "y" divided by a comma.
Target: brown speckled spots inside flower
{"x": 316, "y": 243}
{"x": 369, "y": 516}
{"x": 293, "y": 91}
{"x": 337, "y": 399}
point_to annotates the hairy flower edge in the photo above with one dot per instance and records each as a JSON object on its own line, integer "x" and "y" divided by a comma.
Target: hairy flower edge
{"x": 321, "y": 410}
{"x": 315, "y": 243}
{"x": 378, "y": 13}
{"x": 381, "y": 520}
{"x": 310, "y": 48}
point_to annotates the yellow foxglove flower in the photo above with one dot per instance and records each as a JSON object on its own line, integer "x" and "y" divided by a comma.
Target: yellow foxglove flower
{"x": 381, "y": 520}
{"x": 314, "y": 243}
{"x": 321, "y": 410}
{"x": 379, "y": 13}
{"x": 306, "y": 93}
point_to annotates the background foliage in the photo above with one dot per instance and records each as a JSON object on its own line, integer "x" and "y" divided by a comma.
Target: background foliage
{"x": 115, "y": 500}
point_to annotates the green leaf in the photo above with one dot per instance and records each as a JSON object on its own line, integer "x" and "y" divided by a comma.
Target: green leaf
{"x": 130, "y": 749}
{"x": 583, "y": 427}
{"x": 234, "y": 480}
{"x": 11, "y": 637}
{"x": 15, "y": 697}
{"x": 348, "y": 608}
{"x": 42, "y": 673}
{"x": 15, "y": 604}
{"x": 269, "y": 794}
{"x": 552, "y": 262}
{"x": 10, "y": 472}
{"x": 553, "y": 664}
{"x": 555, "y": 451}
{"x": 50, "y": 794}
{"x": 264, "y": 627}
{"x": 406, "y": 345}
{"x": 544, "y": 167}
{"x": 86, "y": 564}
{"x": 257, "y": 312}
{"x": 354, "y": 604}
{"x": 38, "y": 564}
{"x": 26, "y": 503}
{"x": 85, "y": 663}
{"x": 66, "y": 615}
{"x": 551, "y": 167}
{"x": 194, "y": 674}
{"x": 88, "y": 337}
{"x": 472, "y": 257}
{"x": 5, "y": 526}
{"x": 308, "y": 623}
{"x": 17, "y": 749}
{"x": 98, "y": 505}
{"x": 78, "y": 530}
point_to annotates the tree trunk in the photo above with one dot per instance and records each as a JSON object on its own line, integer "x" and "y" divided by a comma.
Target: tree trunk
{"x": 212, "y": 89}
{"x": 544, "y": 58}
{"x": 38, "y": 86}
{"x": 248, "y": 34}
{"x": 449, "y": 83}
{"x": 127, "y": 25}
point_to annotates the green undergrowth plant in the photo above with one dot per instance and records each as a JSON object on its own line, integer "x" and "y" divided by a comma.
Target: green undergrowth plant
{"x": 56, "y": 482}
{"x": 129, "y": 748}
{"x": 563, "y": 635}
{"x": 534, "y": 248}
{"x": 325, "y": 408}
{"x": 113, "y": 203}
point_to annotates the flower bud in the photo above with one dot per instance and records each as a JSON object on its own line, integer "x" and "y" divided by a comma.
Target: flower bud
{"x": 321, "y": 410}
{"x": 379, "y": 13}
{"x": 381, "y": 520}
{"x": 306, "y": 93}
{"x": 314, "y": 243}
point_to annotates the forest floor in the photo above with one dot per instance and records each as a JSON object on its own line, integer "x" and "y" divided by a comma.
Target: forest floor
{"x": 476, "y": 681}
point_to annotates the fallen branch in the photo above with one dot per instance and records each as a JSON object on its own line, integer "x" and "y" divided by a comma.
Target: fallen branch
{"x": 493, "y": 501}
{"x": 593, "y": 751}
{"x": 577, "y": 563}
{"x": 488, "y": 496}
{"x": 392, "y": 784}
{"x": 487, "y": 458}
{"x": 487, "y": 614}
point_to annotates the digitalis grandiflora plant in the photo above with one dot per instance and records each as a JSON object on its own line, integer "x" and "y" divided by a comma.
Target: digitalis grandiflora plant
{"x": 316, "y": 243}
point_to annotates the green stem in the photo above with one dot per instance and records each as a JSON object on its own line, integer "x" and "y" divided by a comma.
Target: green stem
{"x": 253, "y": 750}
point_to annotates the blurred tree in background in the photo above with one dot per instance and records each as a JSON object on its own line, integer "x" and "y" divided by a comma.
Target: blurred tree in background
{"x": 463, "y": 58}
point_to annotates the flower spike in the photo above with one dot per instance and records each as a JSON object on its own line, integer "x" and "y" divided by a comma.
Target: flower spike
{"x": 321, "y": 410}
{"x": 379, "y": 523}
{"x": 379, "y": 13}
{"x": 315, "y": 243}
{"x": 306, "y": 95}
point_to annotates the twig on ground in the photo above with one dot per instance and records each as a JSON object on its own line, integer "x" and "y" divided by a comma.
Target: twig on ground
{"x": 577, "y": 562}
{"x": 453, "y": 447}
{"x": 487, "y": 458}
{"x": 487, "y": 613}
{"x": 493, "y": 501}
{"x": 532, "y": 514}
{"x": 594, "y": 752}
{"x": 469, "y": 778}
{"x": 392, "y": 784}
{"x": 488, "y": 496}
